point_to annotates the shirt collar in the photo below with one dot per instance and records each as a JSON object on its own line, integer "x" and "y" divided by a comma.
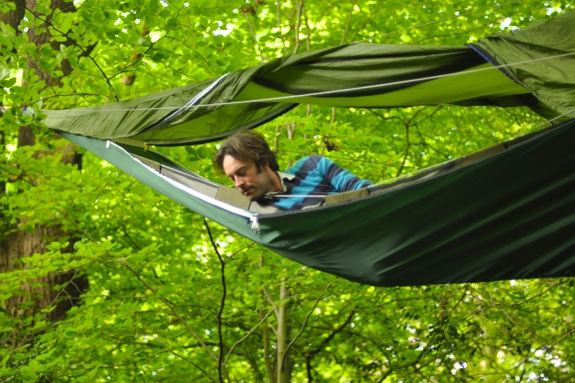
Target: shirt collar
{"x": 283, "y": 177}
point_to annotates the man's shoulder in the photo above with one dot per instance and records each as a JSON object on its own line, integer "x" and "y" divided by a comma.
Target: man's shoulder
{"x": 310, "y": 161}
{"x": 312, "y": 164}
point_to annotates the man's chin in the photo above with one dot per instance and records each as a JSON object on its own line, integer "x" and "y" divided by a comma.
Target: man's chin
{"x": 248, "y": 195}
{"x": 252, "y": 196}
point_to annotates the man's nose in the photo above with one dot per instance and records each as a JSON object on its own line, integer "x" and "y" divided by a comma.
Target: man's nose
{"x": 239, "y": 182}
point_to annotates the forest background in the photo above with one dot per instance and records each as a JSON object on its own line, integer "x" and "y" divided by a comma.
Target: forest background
{"x": 102, "y": 279}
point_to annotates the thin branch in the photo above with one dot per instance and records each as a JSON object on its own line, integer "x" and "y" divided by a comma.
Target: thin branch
{"x": 195, "y": 365}
{"x": 332, "y": 335}
{"x": 172, "y": 309}
{"x": 64, "y": 214}
{"x": 130, "y": 239}
{"x": 63, "y": 290}
{"x": 298, "y": 24}
{"x": 307, "y": 32}
{"x": 280, "y": 27}
{"x": 433, "y": 360}
{"x": 133, "y": 63}
{"x": 532, "y": 353}
{"x": 348, "y": 23}
{"x": 266, "y": 340}
{"x": 265, "y": 328}
{"x": 251, "y": 244}
{"x": 366, "y": 20}
{"x": 222, "y": 302}
{"x": 304, "y": 324}
{"x": 269, "y": 299}
{"x": 84, "y": 51}
{"x": 250, "y": 332}
{"x": 262, "y": 58}
{"x": 406, "y": 152}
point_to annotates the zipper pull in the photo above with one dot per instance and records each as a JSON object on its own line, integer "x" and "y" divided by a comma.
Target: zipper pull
{"x": 255, "y": 223}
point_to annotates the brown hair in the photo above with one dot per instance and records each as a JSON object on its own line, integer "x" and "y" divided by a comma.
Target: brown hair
{"x": 247, "y": 146}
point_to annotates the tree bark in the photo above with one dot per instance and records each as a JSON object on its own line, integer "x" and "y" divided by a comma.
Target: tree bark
{"x": 14, "y": 17}
{"x": 45, "y": 37}
{"x": 19, "y": 243}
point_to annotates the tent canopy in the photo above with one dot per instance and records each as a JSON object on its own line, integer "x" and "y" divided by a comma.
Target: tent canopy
{"x": 530, "y": 67}
{"x": 505, "y": 213}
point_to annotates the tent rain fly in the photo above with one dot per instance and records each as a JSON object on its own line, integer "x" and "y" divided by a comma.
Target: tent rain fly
{"x": 511, "y": 207}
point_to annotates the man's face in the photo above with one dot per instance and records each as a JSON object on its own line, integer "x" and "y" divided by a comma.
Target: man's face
{"x": 247, "y": 179}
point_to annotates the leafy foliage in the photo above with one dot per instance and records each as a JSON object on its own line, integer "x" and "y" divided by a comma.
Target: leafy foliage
{"x": 174, "y": 298}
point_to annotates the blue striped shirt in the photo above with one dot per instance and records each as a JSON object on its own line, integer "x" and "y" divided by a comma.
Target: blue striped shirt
{"x": 312, "y": 175}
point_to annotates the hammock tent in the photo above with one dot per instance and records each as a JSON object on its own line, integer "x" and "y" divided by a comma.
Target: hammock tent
{"x": 507, "y": 212}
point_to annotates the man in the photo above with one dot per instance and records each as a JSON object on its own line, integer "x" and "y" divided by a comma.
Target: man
{"x": 248, "y": 161}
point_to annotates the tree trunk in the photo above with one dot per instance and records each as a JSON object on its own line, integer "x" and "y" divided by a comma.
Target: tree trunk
{"x": 13, "y": 18}
{"x": 32, "y": 299}
{"x": 45, "y": 37}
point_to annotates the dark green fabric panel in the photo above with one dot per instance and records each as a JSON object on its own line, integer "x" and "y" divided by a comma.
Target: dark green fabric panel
{"x": 214, "y": 126}
{"x": 552, "y": 81}
{"x": 145, "y": 114}
{"x": 358, "y": 65}
{"x": 508, "y": 217}
{"x": 121, "y": 119}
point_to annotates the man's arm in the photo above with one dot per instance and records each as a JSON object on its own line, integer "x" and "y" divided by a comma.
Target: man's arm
{"x": 341, "y": 179}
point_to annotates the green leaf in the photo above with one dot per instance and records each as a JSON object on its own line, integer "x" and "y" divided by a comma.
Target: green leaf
{"x": 7, "y": 83}
{"x": 7, "y": 6}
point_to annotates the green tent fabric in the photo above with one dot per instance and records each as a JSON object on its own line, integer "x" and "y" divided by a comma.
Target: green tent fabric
{"x": 512, "y": 208}
{"x": 368, "y": 75}
{"x": 511, "y": 215}
{"x": 545, "y": 51}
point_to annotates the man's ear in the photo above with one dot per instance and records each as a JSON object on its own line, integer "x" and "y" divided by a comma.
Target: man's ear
{"x": 264, "y": 168}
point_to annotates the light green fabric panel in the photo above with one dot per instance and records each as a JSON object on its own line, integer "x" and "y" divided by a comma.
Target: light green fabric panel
{"x": 466, "y": 87}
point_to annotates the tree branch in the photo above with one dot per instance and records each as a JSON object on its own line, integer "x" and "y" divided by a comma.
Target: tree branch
{"x": 250, "y": 332}
{"x": 172, "y": 309}
{"x": 262, "y": 58}
{"x": 305, "y": 320}
{"x": 222, "y": 302}
{"x": 299, "y": 6}
{"x": 195, "y": 365}
{"x": 84, "y": 51}
{"x": 348, "y": 23}
{"x": 280, "y": 27}
{"x": 335, "y": 331}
